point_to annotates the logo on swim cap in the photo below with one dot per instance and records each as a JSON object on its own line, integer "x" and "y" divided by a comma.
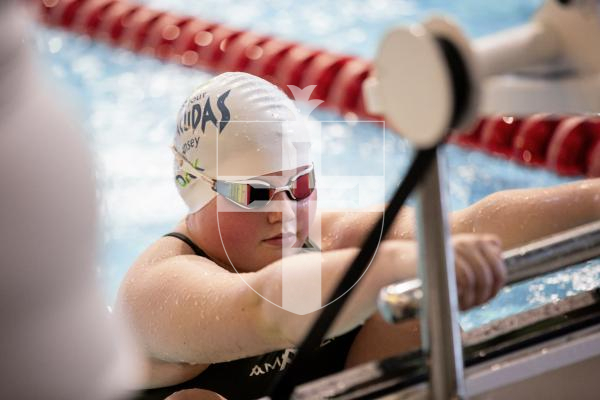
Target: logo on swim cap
{"x": 238, "y": 121}
{"x": 198, "y": 111}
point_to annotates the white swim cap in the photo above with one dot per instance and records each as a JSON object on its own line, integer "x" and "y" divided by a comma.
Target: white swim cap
{"x": 236, "y": 126}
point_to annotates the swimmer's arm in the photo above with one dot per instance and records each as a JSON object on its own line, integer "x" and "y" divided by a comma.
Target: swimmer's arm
{"x": 480, "y": 273}
{"x": 519, "y": 216}
{"x": 349, "y": 228}
{"x": 186, "y": 309}
{"x": 395, "y": 261}
{"x": 516, "y": 216}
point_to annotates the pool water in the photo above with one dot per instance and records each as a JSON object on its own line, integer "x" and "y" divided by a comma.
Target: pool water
{"x": 127, "y": 104}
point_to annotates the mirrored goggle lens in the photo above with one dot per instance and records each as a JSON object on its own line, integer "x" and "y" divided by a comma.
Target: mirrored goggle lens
{"x": 303, "y": 186}
{"x": 257, "y": 194}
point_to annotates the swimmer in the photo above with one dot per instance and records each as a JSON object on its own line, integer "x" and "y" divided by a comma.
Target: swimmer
{"x": 203, "y": 327}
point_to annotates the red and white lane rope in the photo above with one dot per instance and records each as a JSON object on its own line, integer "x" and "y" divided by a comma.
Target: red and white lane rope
{"x": 568, "y": 145}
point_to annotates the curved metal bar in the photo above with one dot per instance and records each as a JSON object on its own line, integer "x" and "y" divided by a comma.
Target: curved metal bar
{"x": 402, "y": 301}
{"x": 553, "y": 253}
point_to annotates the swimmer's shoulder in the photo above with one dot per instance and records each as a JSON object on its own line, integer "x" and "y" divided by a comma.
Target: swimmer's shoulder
{"x": 172, "y": 250}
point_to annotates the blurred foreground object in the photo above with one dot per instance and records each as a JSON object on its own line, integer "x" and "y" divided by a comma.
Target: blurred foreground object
{"x": 58, "y": 339}
{"x": 548, "y": 65}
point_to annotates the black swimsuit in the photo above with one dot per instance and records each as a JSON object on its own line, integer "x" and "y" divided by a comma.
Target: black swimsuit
{"x": 250, "y": 378}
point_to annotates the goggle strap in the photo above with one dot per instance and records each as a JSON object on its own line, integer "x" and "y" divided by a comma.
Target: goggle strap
{"x": 186, "y": 166}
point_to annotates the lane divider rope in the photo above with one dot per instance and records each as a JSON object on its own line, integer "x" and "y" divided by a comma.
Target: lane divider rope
{"x": 567, "y": 145}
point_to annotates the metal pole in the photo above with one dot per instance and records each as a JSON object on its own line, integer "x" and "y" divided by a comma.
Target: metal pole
{"x": 441, "y": 339}
{"x": 402, "y": 301}
{"x": 554, "y": 252}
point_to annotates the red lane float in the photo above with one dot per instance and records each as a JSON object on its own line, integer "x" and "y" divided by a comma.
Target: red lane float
{"x": 567, "y": 145}
{"x": 90, "y": 15}
{"x": 192, "y": 37}
{"x": 594, "y": 160}
{"x": 240, "y": 52}
{"x": 273, "y": 51}
{"x": 321, "y": 71}
{"x": 346, "y": 89}
{"x": 532, "y": 139}
{"x": 139, "y": 24}
{"x": 163, "y": 34}
{"x": 498, "y": 134}
{"x": 115, "y": 22}
{"x": 291, "y": 66}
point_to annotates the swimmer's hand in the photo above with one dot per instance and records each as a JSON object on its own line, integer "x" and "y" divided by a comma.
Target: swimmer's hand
{"x": 480, "y": 270}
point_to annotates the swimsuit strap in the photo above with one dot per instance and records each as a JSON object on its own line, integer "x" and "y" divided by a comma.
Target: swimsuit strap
{"x": 188, "y": 241}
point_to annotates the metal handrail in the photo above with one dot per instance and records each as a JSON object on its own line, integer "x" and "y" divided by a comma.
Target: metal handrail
{"x": 402, "y": 301}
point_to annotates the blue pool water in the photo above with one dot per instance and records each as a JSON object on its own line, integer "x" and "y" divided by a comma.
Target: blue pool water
{"x": 127, "y": 104}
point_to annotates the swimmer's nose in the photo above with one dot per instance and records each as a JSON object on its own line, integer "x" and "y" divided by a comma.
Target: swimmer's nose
{"x": 281, "y": 208}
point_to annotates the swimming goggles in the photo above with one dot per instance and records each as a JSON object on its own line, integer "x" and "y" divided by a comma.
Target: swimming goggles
{"x": 253, "y": 193}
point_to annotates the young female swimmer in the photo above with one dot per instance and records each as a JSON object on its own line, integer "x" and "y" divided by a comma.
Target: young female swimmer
{"x": 204, "y": 326}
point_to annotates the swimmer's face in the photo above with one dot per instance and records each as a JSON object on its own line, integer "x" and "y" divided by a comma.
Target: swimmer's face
{"x": 254, "y": 239}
